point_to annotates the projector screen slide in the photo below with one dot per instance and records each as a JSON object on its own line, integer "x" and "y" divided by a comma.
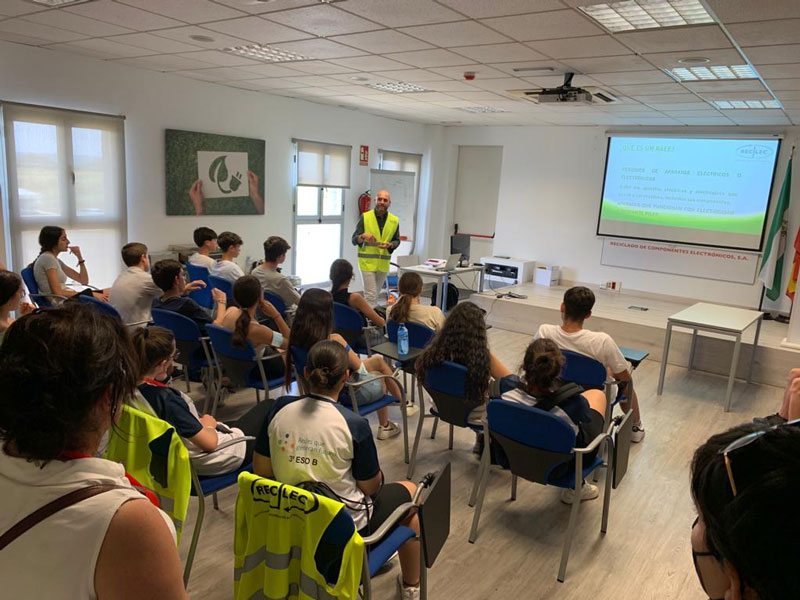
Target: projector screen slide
{"x": 710, "y": 192}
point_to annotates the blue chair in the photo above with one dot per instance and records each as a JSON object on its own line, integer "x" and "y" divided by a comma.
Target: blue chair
{"x": 224, "y": 285}
{"x": 43, "y": 300}
{"x": 202, "y": 296}
{"x": 103, "y": 307}
{"x": 241, "y": 366}
{"x": 540, "y": 447}
{"x": 351, "y": 325}
{"x": 276, "y": 301}
{"x": 590, "y": 374}
{"x": 446, "y": 385}
{"x": 419, "y": 336}
{"x": 348, "y": 396}
{"x": 194, "y": 349}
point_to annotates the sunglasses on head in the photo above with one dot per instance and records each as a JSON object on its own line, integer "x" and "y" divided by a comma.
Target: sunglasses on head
{"x": 739, "y": 445}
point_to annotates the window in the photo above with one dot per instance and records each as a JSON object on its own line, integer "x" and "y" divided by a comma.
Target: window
{"x": 66, "y": 168}
{"x": 323, "y": 175}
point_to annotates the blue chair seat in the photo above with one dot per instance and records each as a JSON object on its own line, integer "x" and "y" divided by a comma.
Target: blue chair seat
{"x": 371, "y": 407}
{"x": 568, "y": 481}
{"x": 473, "y": 426}
{"x": 382, "y": 551}
{"x": 215, "y": 483}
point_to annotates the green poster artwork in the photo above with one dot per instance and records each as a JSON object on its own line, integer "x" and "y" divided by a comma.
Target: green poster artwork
{"x": 211, "y": 174}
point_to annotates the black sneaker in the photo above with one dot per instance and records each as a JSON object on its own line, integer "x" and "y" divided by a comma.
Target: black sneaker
{"x": 770, "y": 420}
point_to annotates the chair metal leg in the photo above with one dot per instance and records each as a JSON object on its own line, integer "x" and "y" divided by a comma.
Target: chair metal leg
{"x": 404, "y": 414}
{"x": 484, "y": 478}
{"x": 412, "y": 463}
{"x": 609, "y": 479}
{"x": 186, "y": 378}
{"x": 573, "y": 518}
{"x": 433, "y": 429}
{"x": 423, "y": 574}
{"x": 513, "y": 487}
{"x": 201, "y": 511}
{"x": 216, "y": 501}
{"x": 450, "y": 444}
{"x": 365, "y": 579}
{"x": 474, "y": 492}
{"x": 258, "y": 396}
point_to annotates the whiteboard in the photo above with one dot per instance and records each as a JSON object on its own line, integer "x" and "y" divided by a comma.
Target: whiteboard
{"x": 403, "y": 192}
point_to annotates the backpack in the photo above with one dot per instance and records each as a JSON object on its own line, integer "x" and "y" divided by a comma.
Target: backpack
{"x": 452, "y": 296}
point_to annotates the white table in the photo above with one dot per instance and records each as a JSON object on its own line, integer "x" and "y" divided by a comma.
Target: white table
{"x": 725, "y": 320}
{"x": 444, "y": 279}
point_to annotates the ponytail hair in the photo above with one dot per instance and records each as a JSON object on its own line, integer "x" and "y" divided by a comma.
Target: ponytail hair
{"x": 247, "y": 293}
{"x": 542, "y": 365}
{"x": 151, "y": 346}
{"x": 410, "y": 287}
{"x": 326, "y": 365}
{"x": 341, "y": 272}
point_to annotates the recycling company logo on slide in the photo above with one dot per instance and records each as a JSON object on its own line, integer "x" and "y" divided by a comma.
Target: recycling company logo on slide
{"x": 754, "y": 152}
{"x": 218, "y": 173}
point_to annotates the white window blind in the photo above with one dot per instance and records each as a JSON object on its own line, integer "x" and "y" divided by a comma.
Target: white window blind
{"x": 400, "y": 161}
{"x": 66, "y": 168}
{"x": 323, "y": 165}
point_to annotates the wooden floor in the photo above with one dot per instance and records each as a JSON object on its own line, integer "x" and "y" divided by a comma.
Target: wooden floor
{"x": 644, "y": 555}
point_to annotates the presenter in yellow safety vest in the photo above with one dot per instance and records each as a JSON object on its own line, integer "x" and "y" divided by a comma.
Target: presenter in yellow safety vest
{"x": 377, "y": 235}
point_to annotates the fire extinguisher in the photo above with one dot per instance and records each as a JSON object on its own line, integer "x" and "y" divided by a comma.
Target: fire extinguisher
{"x": 364, "y": 202}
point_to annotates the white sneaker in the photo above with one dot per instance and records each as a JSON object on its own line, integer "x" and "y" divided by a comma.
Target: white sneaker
{"x": 391, "y": 430}
{"x": 637, "y": 433}
{"x": 407, "y": 592}
{"x": 589, "y": 491}
{"x": 411, "y": 409}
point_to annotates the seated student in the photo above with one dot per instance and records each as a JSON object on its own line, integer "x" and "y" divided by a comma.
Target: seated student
{"x": 570, "y": 335}
{"x": 269, "y": 273}
{"x": 155, "y": 350}
{"x": 341, "y": 275}
{"x": 231, "y": 245}
{"x": 583, "y": 410}
{"x": 746, "y": 538}
{"x": 11, "y": 293}
{"x": 408, "y": 308}
{"x": 168, "y": 276}
{"x": 206, "y": 241}
{"x": 51, "y": 274}
{"x": 345, "y": 453}
{"x": 790, "y": 406}
{"x": 241, "y": 320}
{"x": 64, "y": 374}
{"x": 313, "y": 323}
{"x": 463, "y": 340}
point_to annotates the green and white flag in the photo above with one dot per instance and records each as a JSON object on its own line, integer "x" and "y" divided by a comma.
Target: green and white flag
{"x": 772, "y": 261}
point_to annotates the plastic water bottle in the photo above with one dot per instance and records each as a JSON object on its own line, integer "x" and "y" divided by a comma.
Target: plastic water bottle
{"x": 402, "y": 339}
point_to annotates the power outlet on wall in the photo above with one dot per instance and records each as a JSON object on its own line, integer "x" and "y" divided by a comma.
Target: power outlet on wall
{"x": 611, "y": 286}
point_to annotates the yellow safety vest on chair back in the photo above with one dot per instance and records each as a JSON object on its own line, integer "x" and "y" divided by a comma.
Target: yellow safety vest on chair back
{"x": 372, "y": 258}
{"x": 151, "y": 451}
{"x": 278, "y": 528}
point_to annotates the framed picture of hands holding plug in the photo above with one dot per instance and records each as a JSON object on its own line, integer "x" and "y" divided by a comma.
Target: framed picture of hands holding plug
{"x": 212, "y": 174}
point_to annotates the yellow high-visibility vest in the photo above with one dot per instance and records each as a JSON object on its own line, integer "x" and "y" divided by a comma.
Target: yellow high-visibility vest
{"x": 155, "y": 455}
{"x": 278, "y": 528}
{"x": 372, "y": 258}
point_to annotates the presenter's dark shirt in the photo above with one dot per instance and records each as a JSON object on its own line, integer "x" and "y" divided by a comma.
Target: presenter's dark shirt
{"x": 381, "y": 222}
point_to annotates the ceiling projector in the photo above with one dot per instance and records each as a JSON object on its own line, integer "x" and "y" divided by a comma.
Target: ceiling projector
{"x": 565, "y": 94}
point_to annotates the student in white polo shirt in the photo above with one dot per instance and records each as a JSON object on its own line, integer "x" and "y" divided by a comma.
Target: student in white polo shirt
{"x": 314, "y": 438}
{"x": 230, "y": 244}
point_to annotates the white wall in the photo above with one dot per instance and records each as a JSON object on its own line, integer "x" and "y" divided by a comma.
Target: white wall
{"x": 550, "y": 188}
{"x": 153, "y": 102}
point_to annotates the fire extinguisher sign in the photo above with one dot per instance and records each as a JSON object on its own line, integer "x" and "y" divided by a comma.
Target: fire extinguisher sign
{"x": 363, "y": 156}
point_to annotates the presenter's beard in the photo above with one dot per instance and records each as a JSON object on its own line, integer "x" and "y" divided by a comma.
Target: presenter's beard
{"x": 379, "y": 210}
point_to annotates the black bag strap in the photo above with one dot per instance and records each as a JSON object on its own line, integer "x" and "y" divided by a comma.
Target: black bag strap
{"x": 548, "y": 401}
{"x": 49, "y": 509}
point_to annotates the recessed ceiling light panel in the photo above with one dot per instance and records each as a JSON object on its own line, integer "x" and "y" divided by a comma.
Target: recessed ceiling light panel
{"x": 397, "y": 87}
{"x": 745, "y": 104}
{"x": 647, "y": 14}
{"x": 265, "y": 53}
{"x": 483, "y": 109}
{"x": 712, "y": 73}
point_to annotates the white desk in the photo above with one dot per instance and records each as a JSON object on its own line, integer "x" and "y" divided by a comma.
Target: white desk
{"x": 444, "y": 279}
{"x": 725, "y": 320}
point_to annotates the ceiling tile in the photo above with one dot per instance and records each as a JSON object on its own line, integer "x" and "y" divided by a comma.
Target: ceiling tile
{"x": 757, "y": 117}
{"x": 708, "y": 112}
{"x": 478, "y": 9}
{"x": 672, "y": 106}
{"x": 481, "y": 71}
{"x": 607, "y": 64}
{"x": 165, "y": 62}
{"x": 41, "y": 34}
{"x": 256, "y": 7}
{"x": 78, "y": 24}
{"x": 200, "y": 75}
{"x": 669, "y": 60}
{"x": 318, "y": 91}
{"x": 223, "y": 73}
{"x": 10, "y": 36}
{"x": 188, "y": 11}
{"x": 400, "y": 14}
{"x": 182, "y": 34}
{"x": 456, "y": 34}
{"x": 323, "y": 20}
{"x": 596, "y": 45}
{"x": 633, "y": 77}
{"x": 369, "y": 63}
{"x": 413, "y": 75}
{"x": 155, "y": 43}
{"x": 314, "y": 80}
{"x": 449, "y": 85}
{"x": 499, "y": 53}
{"x": 261, "y": 71}
{"x": 677, "y": 39}
{"x": 652, "y": 99}
{"x": 708, "y": 120}
{"x": 788, "y": 95}
{"x": 257, "y": 29}
{"x": 319, "y": 67}
{"x": 764, "y": 33}
{"x": 508, "y": 68}
{"x": 16, "y": 8}
{"x": 102, "y": 48}
{"x": 319, "y": 48}
{"x": 430, "y": 58}
{"x": 122, "y": 14}
{"x": 275, "y": 83}
{"x": 544, "y": 26}
{"x": 709, "y": 87}
{"x": 551, "y": 81}
{"x": 476, "y": 96}
{"x": 739, "y": 11}
{"x": 501, "y": 85}
{"x": 770, "y": 72}
{"x": 428, "y": 96}
{"x": 780, "y": 85}
{"x": 649, "y": 89}
{"x": 770, "y": 55}
{"x": 221, "y": 59}
{"x": 381, "y": 42}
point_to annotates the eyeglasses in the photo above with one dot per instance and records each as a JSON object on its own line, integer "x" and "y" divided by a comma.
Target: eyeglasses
{"x": 712, "y": 580}
{"x": 744, "y": 442}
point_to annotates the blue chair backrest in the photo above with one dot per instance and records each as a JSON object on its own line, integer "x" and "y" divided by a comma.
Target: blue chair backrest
{"x": 30, "y": 280}
{"x": 202, "y": 296}
{"x": 346, "y": 317}
{"x": 419, "y": 336}
{"x": 182, "y": 327}
{"x": 446, "y": 383}
{"x": 224, "y": 285}
{"x": 221, "y": 340}
{"x": 276, "y": 301}
{"x": 583, "y": 370}
{"x": 299, "y": 359}
{"x": 103, "y": 307}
